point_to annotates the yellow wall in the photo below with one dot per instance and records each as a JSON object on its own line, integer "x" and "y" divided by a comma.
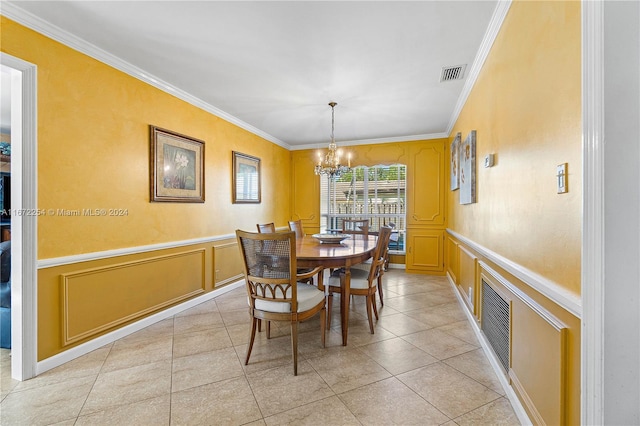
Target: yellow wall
{"x": 93, "y": 153}
{"x": 305, "y": 194}
{"x": 526, "y": 109}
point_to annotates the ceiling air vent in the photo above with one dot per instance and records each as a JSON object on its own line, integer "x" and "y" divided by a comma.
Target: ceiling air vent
{"x": 452, "y": 73}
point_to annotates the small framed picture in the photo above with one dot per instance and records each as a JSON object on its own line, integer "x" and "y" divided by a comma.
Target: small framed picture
{"x": 177, "y": 167}
{"x": 246, "y": 178}
{"x": 468, "y": 169}
{"x": 455, "y": 162}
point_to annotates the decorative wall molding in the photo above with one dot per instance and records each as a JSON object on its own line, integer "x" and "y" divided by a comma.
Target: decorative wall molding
{"x": 499, "y": 13}
{"x": 75, "y": 327}
{"x": 85, "y": 257}
{"x": 522, "y": 392}
{"x": 525, "y": 298}
{"x": 562, "y": 297}
{"x": 27, "y": 19}
{"x": 85, "y": 348}
{"x": 593, "y": 233}
{"x": 411, "y": 138}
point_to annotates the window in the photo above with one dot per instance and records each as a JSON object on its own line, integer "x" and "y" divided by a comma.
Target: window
{"x": 376, "y": 193}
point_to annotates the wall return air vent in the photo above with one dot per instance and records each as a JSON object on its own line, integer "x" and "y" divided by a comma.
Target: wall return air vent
{"x": 452, "y": 73}
{"x": 495, "y": 323}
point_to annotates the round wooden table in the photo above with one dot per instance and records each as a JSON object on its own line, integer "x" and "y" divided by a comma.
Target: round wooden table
{"x": 310, "y": 253}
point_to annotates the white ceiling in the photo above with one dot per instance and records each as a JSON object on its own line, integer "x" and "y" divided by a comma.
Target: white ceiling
{"x": 273, "y": 67}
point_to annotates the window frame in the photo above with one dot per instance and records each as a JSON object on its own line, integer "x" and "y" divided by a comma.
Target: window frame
{"x": 362, "y": 205}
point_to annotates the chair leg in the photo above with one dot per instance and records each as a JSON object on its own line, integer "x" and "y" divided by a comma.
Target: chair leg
{"x": 329, "y": 305}
{"x": 373, "y": 302}
{"x": 254, "y": 325}
{"x": 294, "y": 346}
{"x": 380, "y": 292}
{"x": 268, "y": 329}
{"x": 369, "y": 313}
{"x": 323, "y": 334}
{"x": 259, "y": 326}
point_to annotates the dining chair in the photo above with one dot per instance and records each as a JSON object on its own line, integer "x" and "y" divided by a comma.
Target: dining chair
{"x": 296, "y": 226}
{"x": 273, "y": 287}
{"x": 355, "y": 226}
{"x": 363, "y": 282}
{"x": 266, "y": 227}
{"x": 393, "y": 237}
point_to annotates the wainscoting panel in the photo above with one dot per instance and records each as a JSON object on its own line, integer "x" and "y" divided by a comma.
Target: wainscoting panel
{"x": 452, "y": 260}
{"x": 305, "y": 191}
{"x": 101, "y": 298}
{"x": 467, "y": 282}
{"x": 542, "y": 362}
{"x": 425, "y": 251}
{"x": 228, "y": 263}
{"x": 425, "y": 186}
{"x": 543, "y": 394}
{"x": 537, "y": 361}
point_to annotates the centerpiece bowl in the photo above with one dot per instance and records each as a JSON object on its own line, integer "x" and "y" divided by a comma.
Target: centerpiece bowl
{"x": 331, "y": 238}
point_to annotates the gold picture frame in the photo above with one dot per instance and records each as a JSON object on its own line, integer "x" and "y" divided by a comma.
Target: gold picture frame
{"x": 177, "y": 167}
{"x": 246, "y": 179}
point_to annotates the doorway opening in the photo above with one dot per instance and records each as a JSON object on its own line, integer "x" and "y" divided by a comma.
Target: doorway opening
{"x": 22, "y": 86}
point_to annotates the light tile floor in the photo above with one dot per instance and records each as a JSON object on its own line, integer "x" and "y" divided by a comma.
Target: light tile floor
{"x": 422, "y": 366}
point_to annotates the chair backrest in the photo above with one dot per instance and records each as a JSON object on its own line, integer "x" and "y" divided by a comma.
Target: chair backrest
{"x": 379, "y": 253}
{"x": 266, "y": 227}
{"x": 296, "y": 226}
{"x": 269, "y": 266}
{"x": 355, "y": 226}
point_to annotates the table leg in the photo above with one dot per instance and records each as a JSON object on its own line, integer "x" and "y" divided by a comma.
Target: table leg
{"x": 345, "y": 297}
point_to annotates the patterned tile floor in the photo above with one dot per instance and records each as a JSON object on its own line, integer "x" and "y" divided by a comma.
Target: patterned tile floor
{"x": 422, "y": 366}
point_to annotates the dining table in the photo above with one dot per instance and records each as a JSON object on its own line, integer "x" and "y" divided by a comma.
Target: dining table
{"x": 355, "y": 249}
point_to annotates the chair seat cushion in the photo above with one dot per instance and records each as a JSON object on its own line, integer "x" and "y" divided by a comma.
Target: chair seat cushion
{"x": 308, "y": 297}
{"x": 359, "y": 278}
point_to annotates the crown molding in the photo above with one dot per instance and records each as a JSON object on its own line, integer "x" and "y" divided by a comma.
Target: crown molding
{"x": 15, "y": 13}
{"x": 499, "y": 13}
{"x": 377, "y": 141}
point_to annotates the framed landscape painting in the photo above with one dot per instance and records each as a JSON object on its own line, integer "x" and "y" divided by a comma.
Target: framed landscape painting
{"x": 177, "y": 167}
{"x": 454, "y": 169}
{"x": 468, "y": 169}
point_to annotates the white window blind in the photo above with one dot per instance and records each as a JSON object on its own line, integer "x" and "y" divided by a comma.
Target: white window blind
{"x": 376, "y": 193}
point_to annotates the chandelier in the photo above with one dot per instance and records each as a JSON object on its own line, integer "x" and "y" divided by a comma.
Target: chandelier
{"x": 330, "y": 166}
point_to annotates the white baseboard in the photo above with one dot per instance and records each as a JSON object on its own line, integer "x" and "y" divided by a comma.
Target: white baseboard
{"x": 397, "y": 266}
{"x": 98, "y": 342}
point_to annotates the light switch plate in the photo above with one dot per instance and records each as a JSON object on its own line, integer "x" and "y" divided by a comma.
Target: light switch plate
{"x": 561, "y": 177}
{"x": 488, "y": 160}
